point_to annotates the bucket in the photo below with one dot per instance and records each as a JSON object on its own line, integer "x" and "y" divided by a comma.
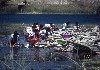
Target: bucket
{"x": 67, "y": 36}
{"x": 34, "y": 40}
{"x": 61, "y": 42}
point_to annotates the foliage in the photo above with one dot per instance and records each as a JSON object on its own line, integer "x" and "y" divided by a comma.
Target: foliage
{"x": 38, "y": 6}
{"x": 62, "y": 9}
{"x": 3, "y": 3}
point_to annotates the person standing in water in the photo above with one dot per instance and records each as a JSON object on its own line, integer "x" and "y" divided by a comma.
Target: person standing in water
{"x": 14, "y": 39}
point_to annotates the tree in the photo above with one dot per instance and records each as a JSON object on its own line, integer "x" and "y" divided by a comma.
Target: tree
{"x": 61, "y": 2}
{"x": 98, "y": 10}
{"x": 3, "y": 3}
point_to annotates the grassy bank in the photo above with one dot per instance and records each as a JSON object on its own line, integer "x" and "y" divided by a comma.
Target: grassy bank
{"x": 49, "y": 9}
{"x": 56, "y": 9}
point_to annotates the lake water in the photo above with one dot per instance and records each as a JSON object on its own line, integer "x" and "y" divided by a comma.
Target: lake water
{"x": 48, "y": 18}
{"x": 40, "y": 18}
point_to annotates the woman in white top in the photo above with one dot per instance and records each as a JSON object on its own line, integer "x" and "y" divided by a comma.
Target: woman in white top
{"x": 14, "y": 39}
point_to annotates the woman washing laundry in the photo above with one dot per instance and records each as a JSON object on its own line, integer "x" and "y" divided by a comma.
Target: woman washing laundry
{"x": 14, "y": 39}
{"x": 42, "y": 34}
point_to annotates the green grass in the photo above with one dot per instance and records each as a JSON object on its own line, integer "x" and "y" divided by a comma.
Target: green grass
{"x": 56, "y": 9}
{"x": 49, "y": 9}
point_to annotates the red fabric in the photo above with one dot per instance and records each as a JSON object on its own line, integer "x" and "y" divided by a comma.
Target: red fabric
{"x": 34, "y": 40}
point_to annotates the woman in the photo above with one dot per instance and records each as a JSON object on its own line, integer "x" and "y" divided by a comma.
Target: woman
{"x": 14, "y": 38}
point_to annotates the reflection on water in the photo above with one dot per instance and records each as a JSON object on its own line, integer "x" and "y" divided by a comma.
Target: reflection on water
{"x": 35, "y": 58}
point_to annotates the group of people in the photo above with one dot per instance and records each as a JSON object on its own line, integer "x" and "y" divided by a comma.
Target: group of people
{"x": 39, "y": 32}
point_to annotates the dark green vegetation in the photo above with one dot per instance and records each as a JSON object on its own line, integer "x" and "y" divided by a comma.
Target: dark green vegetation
{"x": 63, "y": 9}
{"x": 7, "y": 6}
{"x": 44, "y": 8}
{"x": 49, "y": 9}
{"x": 4, "y": 3}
